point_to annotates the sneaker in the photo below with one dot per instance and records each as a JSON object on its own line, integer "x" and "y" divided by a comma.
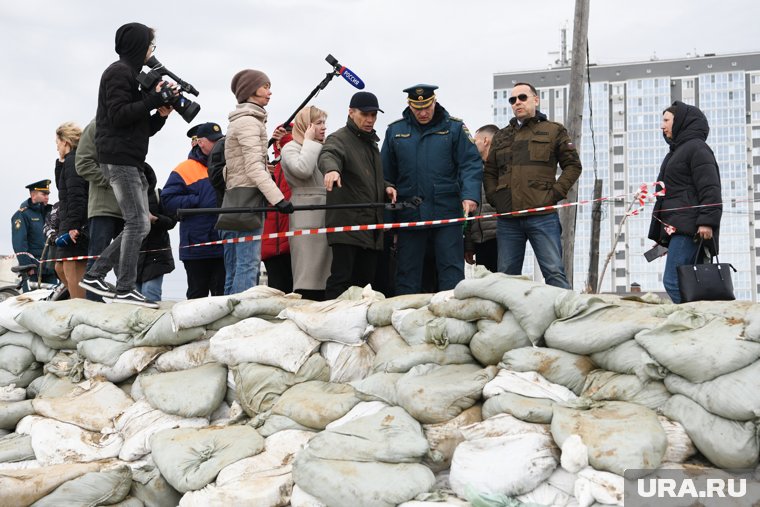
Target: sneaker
{"x": 133, "y": 298}
{"x": 98, "y": 286}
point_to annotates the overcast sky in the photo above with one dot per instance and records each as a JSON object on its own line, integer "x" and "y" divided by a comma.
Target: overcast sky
{"x": 54, "y": 53}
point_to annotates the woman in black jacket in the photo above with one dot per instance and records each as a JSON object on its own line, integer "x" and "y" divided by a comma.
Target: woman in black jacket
{"x": 691, "y": 177}
{"x": 72, "y": 209}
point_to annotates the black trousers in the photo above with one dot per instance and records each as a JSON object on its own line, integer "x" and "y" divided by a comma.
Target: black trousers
{"x": 351, "y": 265}
{"x": 486, "y": 254}
{"x": 204, "y": 277}
{"x": 279, "y": 273}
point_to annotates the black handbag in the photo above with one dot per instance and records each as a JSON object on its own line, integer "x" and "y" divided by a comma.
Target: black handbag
{"x": 710, "y": 281}
{"x": 242, "y": 197}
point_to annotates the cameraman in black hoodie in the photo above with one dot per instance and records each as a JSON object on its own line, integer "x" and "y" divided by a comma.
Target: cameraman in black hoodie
{"x": 125, "y": 124}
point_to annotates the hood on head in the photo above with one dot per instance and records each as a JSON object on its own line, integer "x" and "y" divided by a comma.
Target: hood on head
{"x": 689, "y": 122}
{"x": 132, "y": 42}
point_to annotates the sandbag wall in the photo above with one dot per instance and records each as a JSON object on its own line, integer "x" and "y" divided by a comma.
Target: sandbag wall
{"x": 500, "y": 389}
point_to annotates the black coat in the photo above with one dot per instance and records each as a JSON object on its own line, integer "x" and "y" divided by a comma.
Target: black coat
{"x": 123, "y": 115}
{"x": 152, "y": 264}
{"x": 72, "y": 195}
{"x": 691, "y": 177}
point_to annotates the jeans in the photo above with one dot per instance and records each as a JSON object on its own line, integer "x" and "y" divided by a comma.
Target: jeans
{"x": 131, "y": 190}
{"x": 544, "y": 233}
{"x": 102, "y": 231}
{"x": 151, "y": 289}
{"x": 241, "y": 261}
{"x": 681, "y": 250}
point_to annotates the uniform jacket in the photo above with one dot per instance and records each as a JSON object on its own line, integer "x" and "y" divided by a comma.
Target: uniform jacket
{"x": 27, "y": 231}
{"x": 691, "y": 176}
{"x": 156, "y": 257}
{"x": 72, "y": 195}
{"x": 123, "y": 115}
{"x": 354, "y": 154}
{"x": 188, "y": 186}
{"x": 101, "y": 201}
{"x": 521, "y": 169}
{"x": 245, "y": 151}
{"x": 438, "y": 162}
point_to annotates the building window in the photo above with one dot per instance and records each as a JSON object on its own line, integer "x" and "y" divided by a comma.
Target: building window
{"x": 495, "y": 94}
{"x": 556, "y": 94}
{"x": 505, "y": 110}
{"x": 730, "y": 94}
{"x": 504, "y": 94}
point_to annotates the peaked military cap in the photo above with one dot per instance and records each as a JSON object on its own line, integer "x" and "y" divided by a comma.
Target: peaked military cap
{"x": 42, "y": 186}
{"x": 420, "y": 96}
{"x": 209, "y": 130}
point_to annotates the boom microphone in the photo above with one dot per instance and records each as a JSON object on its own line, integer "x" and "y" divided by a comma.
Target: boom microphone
{"x": 347, "y": 73}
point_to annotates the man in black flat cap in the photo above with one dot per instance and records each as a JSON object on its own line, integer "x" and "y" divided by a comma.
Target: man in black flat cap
{"x": 26, "y": 230}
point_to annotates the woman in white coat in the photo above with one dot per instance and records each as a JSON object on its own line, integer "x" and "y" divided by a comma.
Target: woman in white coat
{"x": 310, "y": 256}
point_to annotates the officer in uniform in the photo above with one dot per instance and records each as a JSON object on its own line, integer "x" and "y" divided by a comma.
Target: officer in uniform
{"x": 26, "y": 229}
{"x": 430, "y": 154}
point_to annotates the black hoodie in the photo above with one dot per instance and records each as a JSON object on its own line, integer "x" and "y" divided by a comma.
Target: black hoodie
{"x": 123, "y": 115}
{"x": 691, "y": 177}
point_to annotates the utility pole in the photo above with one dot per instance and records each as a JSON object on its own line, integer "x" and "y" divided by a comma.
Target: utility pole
{"x": 574, "y": 126}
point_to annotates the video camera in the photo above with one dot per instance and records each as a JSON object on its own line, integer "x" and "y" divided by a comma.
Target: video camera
{"x": 184, "y": 106}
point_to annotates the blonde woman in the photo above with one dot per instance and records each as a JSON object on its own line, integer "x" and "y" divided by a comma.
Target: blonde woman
{"x": 310, "y": 256}
{"x": 72, "y": 209}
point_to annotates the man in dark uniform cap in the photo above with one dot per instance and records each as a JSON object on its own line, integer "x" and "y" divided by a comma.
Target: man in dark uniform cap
{"x": 26, "y": 228}
{"x": 430, "y": 154}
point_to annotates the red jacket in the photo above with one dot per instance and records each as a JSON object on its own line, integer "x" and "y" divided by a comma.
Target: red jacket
{"x": 277, "y": 222}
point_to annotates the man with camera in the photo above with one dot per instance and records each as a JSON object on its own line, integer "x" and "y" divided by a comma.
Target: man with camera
{"x": 125, "y": 124}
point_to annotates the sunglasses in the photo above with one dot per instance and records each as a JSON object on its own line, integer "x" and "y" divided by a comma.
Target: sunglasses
{"x": 522, "y": 98}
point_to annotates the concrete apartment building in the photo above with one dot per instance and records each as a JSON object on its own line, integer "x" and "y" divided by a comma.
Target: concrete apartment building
{"x": 626, "y": 102}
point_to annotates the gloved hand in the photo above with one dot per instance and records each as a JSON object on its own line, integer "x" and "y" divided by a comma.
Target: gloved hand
{"x": 63, "y": 240}
{"x": 285, "y": 206}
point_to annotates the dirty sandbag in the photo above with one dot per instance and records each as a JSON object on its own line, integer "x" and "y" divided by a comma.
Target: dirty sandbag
{"x": 752, "y": 323}
{"x": 259, "y": 386}
{"x": 10, "y": 308}
{"x": 604, "y": 385}
{"x": 619, "y": 435}
{"x": 121, "y": 318}
{"x": 532, "y": 410}
{"x": 227, "y": 320}
{"x": 200, "y": 312}
{"x": 343, "y": 321}
{"x": 557, "y": 366}
{"x": 733, "y": 395}
{"x": 164, "y": 332}
{"x": 55, "y": 442}
{"x": 680, "y": 447}
{"x": 269, "y": 307}
{"x": 443, "y": 438}
{"x": 434, "y": 394}
{"x": 103, "y": 350}
{"x": 106, "y": 487}
{"x": 16, "y": 447}
{"x": 574, "y": 454}
{"x": 130, "y": 363}
{"x": 361, "y": 409}
{"x": 66, "y": 364}
{"x": 422, "y": 326}
{"x": 393, "y": 354}
{"x": 699, "y": 347}
{"x": 85, "y": 332}
{"x": 190, "y": 458}
{"x": 468, "y": 310}
{"x": 339, "y": 483}
{"x": 15, "y": 359}
{"x": 23, "y": 379}
{"x": 598, "y": 486}
{"x": 196, "y": 392}
{"x": 150, "y": 487}
{"x": 184, "y": 357}
{"x": 315, "y": 404}
{"x": 631, "y": 358}
{"x": 347, "y": 362}
{"x": 11, "y": 412}
{"x": 254, "y": 340}
{"x": 12, "y": 393}
{"x": 505, "y": 425}
{"x": 380, "y": 312}
{"x": 378, "y": 387}
{"x": 528, "y": 383}
{"x": 49, "y": 386}
{"x": 546, "y": 494}
{"x": 42, "y": 353}
{"x": 726, "y": 443}
{"x": 24, "y": 487}
{"x": 494, "y": 339}
{"x": 275, "y": 424}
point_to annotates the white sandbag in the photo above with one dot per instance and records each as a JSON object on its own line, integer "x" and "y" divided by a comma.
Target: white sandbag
{"x": 726, "y": 443}
{"x": 631, "y": 358}
{"x": 443, "y": 438}
{"x": 532, "y": 303}
{"x": 680, "y": 447}
{"x": 92, "y": 405}
{"x": 752, "y": 323}
{"x": 546, "y": 494}
{"x": 503, "y": 425}
{"x": 378, "y": 387}
{"x": 189, "y": 459}
{"x": 469, "y": 310}
{"x": 11, "y": 412}
{"x": 341, "y": 321}
{"x": 256, "y": 340}
{"x": 55, "y": 442}
{"x": 422, "y": 326}
{"x": 532, "y": 410}
{"x": 84, "y": 332}
{"x": 434, "y": 394}
{"x": 380, "y": 312}
{"x": 103, "y": 350}
{"x": 619, "y": 435}
{"x": 188, "y": 393}
{"x": 141, "y": 421}
{"x": 12, "y": 307}
{"x": 258, "y": 386}
{"x": 599, "y": 486}
{"x": 277, "y": 424}
{"x": 21, "y": 379}
{"x": 699, "y": 347}
{"x": 106, "y": 487}
{"x": 42, "y": 353}
{"x": 556, "y": 366}
{"x": 265, "y": 307}
{"x": 300, "y": 498}
{"x": 394, "y": 355}
{"x": 12, "y": 393}
{"x": 24, "y": 487}
{"x": 610, "y": 386}
{"x": 563, "y": 480}
{"x": 15, "y": 447}
{"x": 361, "y": 409}
{"x": 529, "y": 384}
{"x": 49, "y": 386}
{"x": 184, "y": 357}
{"x": 15, "y": 359}
{"x": 588, "y": 324}
{"x": 163, "y": 332}
{"x": 347, "y": 362}
{"x": 130, "y": 363}
{"x": 115, "y": 319}
{"x": 574, "y": 455}
{"x": 315, "y": 404}
{"x": 734, "y": 395}
{"x": 482, "y": 464}
{"x": 200, "y": 312}
{"x": 493, "y": 339}
{"x": 150, "y": 487}
{"x": 351, "y": 483}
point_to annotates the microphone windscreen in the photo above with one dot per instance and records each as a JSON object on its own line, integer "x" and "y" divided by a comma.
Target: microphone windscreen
{"x": 352, "y": 78}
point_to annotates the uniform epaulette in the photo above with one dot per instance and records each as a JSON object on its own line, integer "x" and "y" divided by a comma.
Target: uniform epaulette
{"x": 396, "y": 121}
{"x": 21, "y": 210}
{"x": 454, "y": 118}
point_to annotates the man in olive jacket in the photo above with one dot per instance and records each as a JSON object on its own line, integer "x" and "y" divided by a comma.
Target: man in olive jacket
{"x": 520, "y": 174}
{"x": 350, "y": 161}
